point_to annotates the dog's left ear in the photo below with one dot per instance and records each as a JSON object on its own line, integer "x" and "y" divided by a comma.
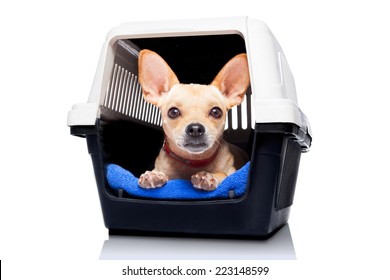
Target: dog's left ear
{"x": 233, "y": 80}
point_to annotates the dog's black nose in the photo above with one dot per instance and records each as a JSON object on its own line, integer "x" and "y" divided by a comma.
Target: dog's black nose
{"x": 195, "y": 129}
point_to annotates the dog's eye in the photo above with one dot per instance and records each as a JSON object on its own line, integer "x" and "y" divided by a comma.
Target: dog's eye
{"x": 173, "y": 112}
{"x": 216, "y": 112}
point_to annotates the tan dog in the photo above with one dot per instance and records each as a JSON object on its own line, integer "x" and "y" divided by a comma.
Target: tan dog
{"x": 193, "y": 121}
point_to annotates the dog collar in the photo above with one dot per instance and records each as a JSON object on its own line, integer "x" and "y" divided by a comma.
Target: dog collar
{"x": 190, "y": 162}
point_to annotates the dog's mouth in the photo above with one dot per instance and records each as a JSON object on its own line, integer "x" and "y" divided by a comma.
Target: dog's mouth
{"x": 196, "y": 146}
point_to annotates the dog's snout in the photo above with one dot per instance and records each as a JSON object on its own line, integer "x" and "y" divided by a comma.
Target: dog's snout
{"x": 195, "y": 130}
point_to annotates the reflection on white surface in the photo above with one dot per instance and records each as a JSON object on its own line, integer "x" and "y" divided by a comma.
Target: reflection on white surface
{"x": 278, "y": 247}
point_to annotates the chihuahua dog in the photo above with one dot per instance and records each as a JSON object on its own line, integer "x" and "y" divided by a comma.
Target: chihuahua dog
{"x": 193, "y": 118}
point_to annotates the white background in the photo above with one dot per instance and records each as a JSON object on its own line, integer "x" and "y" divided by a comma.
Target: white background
{"x": 339, "y": 52}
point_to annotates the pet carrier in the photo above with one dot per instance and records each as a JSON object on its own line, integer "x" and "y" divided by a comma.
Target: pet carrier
{"x": 123, "y": 130}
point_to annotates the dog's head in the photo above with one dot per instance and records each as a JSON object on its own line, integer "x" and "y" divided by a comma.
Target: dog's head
{"x": 193, "y": 115}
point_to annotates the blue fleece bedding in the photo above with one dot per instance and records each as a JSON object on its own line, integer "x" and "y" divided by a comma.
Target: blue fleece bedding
{"x": 178, "y": 189}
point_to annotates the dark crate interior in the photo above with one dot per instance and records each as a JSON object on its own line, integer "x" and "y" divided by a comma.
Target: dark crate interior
{"x": 134, "y": 144}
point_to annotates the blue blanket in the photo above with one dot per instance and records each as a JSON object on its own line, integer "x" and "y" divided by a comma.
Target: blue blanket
{"x": 178, "y": 189}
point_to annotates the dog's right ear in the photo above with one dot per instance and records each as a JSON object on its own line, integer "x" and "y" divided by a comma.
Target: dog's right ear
{"x": 155, "y": 76}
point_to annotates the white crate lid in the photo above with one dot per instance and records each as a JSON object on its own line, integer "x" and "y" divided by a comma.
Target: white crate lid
{"x": 273, "y": 87}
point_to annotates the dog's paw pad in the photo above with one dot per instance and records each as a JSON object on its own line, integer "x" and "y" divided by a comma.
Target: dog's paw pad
{"x": 204, "y": 181}
{"x": 152, "y": 179}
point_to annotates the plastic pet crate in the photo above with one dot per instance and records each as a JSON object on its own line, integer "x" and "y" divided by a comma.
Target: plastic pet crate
{"x": 121, "y": 128}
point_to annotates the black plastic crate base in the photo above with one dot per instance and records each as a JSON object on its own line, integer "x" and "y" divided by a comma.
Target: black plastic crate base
{"x": 259, "y": 213}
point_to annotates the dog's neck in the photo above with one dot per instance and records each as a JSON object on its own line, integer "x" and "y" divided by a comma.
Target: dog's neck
{"x": 195, "y": 163}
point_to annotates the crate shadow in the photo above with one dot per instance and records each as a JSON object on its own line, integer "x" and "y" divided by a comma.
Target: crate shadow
{"x": 278, "y": 247}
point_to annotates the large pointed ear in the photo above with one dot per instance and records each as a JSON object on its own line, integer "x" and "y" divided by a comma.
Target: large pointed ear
{"x": 233, "y": 80}
{"x": 155, "y": 76}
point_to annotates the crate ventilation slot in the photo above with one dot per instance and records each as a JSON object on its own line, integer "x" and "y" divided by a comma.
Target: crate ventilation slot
{"x": 124, "y": 96}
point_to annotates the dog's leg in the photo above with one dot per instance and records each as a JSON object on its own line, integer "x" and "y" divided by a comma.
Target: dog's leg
{"x": 207, "y": 181}
{"x": 152, "y": 179}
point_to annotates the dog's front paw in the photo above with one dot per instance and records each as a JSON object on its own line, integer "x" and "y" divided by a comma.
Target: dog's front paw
{"x": 205, "y": 181}
{"x": 152, "y": 179}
